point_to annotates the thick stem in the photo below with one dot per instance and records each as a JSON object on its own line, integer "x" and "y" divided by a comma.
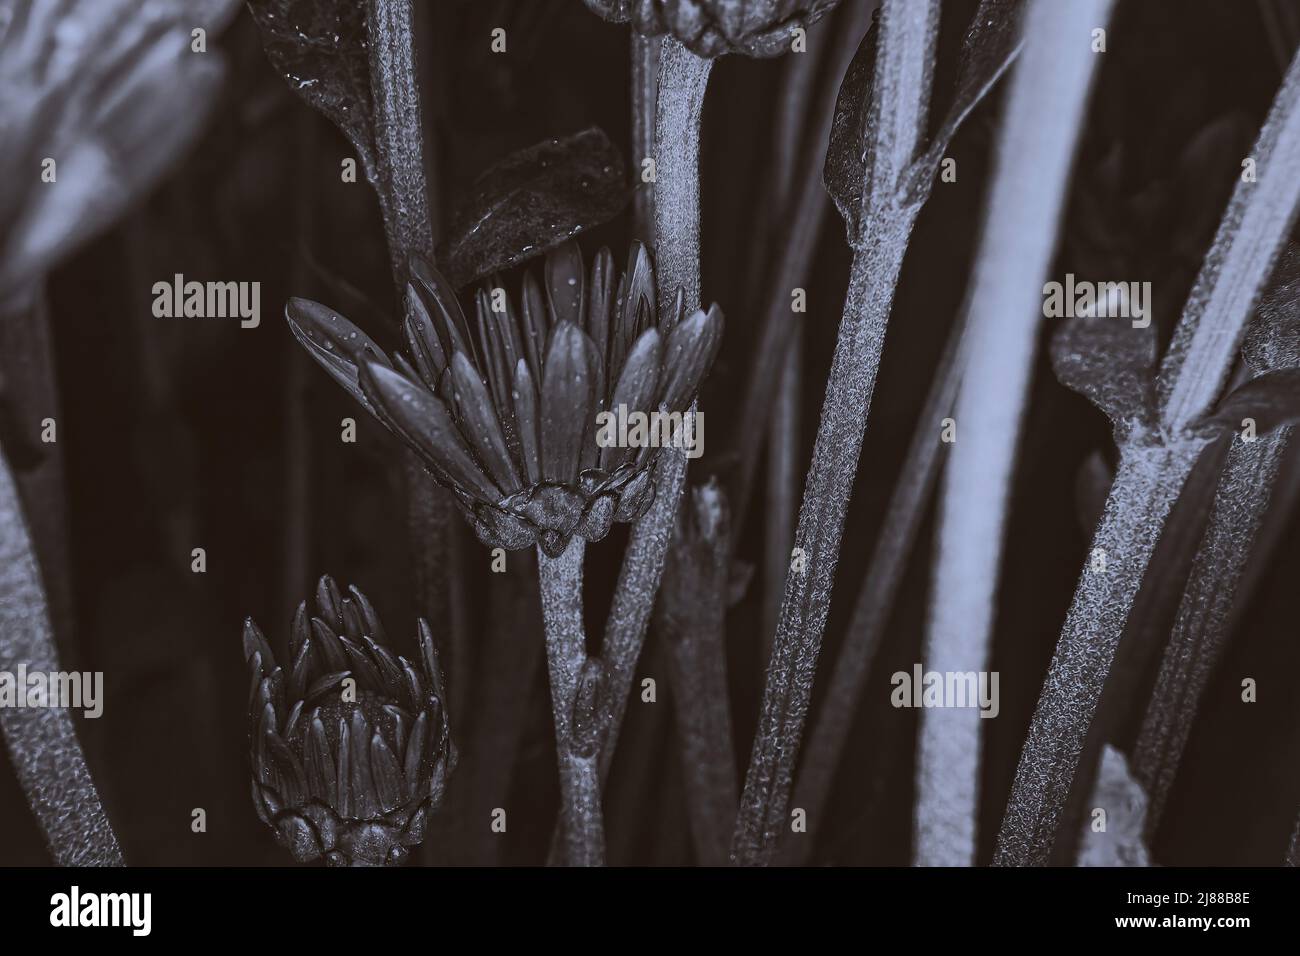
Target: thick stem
{"x": 1197, "y": 362}
{"x": 408, "y": 222}
{"x": 566, "y": 654}
{"x": 1200, "y": 630}
{"x": 683, "y": 77}
{"x": 900, "y": 100}
{"x": 808, "y": 584}
{"x": 690, "y": 620}
{"x": 42, "y": 741}
{"x": 1148, "y": 481}
{"x": 29, "y": 390}
{"x": 880, "y": 583}
{"x": 1049, "y": 91}
{"x": 700, "y": 699}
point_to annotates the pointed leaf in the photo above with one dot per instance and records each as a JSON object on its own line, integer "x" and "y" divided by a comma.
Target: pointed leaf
{"x": 532, "y": 201}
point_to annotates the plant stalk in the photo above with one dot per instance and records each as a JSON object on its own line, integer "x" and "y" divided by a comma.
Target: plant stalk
{"x": 904, "y": 514}
{"x": 1201, "y": 630}
{"x": 42, "y": 741}
{"x": 1049, "y": 92}
{"x": 566, "y": 654}
{"x": 904, "y": 69}
{"x": 683, "y": 78}
{"x": 1153, "y": 466}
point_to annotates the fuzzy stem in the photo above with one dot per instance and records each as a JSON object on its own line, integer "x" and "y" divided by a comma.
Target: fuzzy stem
{"x": 645, "y": 86}
{"x": 1049, "y": 91}
{"x": 690, "y": 619}
{"x": 29, "y": 387}
{"x": 1147, "y": 483}
{"x": 1200, "y": 630}
{"x": 912, "y": 494}
{"x": 700, "y": 699}
{"x": 42, "y": 741}
{"x": 782, "y": 486}
{"x": 409, "y": 223}
{"x": 805, "y": 207}
{"x": 904, "y": 68}
{"x": 683, "y": 77}
{"x": 566, "y": 653}
{"x": 1241, "y": 259}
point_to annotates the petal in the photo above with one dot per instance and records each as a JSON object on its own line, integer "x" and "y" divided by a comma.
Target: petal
{"x": 636, "y": 390}
{"x": 318, "y": 764}
{"x": 444, "y": 308}
{"x": 365, "y": 800}
{"x": 374, "y": 627}
{"x": 691, "y": 350}
{"x": 414, "y": 756}
{"x": 494, "y": 353}
{"x": 565, "y": 284}
{"x": 334, "y": 342}
{"x": 600, "y": 311}
{"x": 422, "y": 339}
{"x": 333, "y": 656}
{"x": 480, "y": 424}
{"x": 566, "y": 403}
{"x": 424, "y": 422}
{"x": 255, "y": 643}
{"x": 636, "y": 292}
{"x": 387, "y": 779}
{"x": 525, "y": 397}
{"x": 328, "y": 601}
{"x": 533, "y": 324}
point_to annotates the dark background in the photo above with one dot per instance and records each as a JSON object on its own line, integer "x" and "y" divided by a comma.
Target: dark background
{"x": 183, "y": 433}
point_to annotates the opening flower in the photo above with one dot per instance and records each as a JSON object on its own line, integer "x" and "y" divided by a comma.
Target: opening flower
{"x": 505, "y": 415}
{"x": 350, "y": 746}
{"x": 711, "y": 28}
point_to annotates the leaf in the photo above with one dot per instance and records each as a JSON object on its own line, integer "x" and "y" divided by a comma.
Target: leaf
{"x": 991, "y": 43}
{"x": 532, "y": 201}
{"x": 1273, "y": 339}
{"x": 1125, "y": 803}
{"x": 1109, "y": 362}
{"x": 320, "y": 48}
{"x": 1271, "y": 399}
{"x": 846, "y": 162}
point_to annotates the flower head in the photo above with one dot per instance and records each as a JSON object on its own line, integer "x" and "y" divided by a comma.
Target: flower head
{"x": 505, "y": 414}
{"x": 711, "y": 28}
{"x": 350, "y": 746}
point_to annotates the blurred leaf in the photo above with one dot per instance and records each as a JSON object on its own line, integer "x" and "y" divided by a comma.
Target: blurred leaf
{"x": 1109, "y": 362}
{"x": 111, "y": 90}
{"x": 1125, "y": 804}
{"x": 532, "y": 201}
{"x": 320, "y": 47}
{"x": 846, "y": 161}
{"x": 990, "y": 45}
{"x": 1271, "y": 399}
